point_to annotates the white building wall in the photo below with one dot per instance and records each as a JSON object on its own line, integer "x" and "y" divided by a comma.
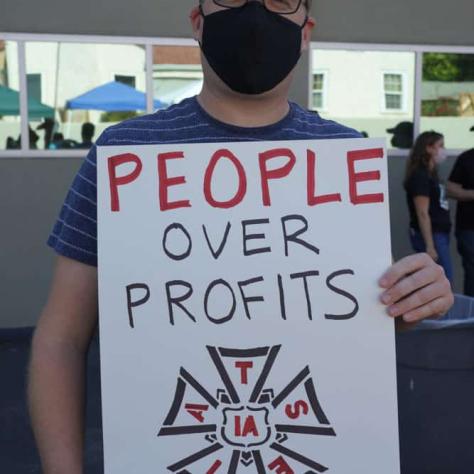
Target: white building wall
{"x": 355, "y": 82}
{"x": 82, "y": 67}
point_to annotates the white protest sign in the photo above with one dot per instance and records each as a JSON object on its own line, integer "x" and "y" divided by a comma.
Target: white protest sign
{"x": 240, "y": 323}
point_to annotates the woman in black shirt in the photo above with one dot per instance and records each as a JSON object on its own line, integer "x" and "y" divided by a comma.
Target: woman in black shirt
{"x": 430, "y": 222}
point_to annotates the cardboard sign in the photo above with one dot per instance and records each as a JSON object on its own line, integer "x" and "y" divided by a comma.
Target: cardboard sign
{"x": 240, "y": 323}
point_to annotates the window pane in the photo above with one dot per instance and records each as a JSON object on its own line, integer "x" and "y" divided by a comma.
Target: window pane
{"x": 177, "y": 73}
{"x": 9, "y": 96}
{"x": 317, "y": 100}
{"x": 77, "y": 90}
{"x": 318, "y": 82}
{"x": 377, "y": 99}
{"x": 448, "y": 97}
{"x": 34, "y": 86}
{"x": 127, "y": 80}
{"x": 393, "y": 82}
{"x": 393, "y": 102}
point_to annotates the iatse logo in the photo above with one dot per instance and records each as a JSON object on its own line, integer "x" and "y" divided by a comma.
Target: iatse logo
{"x": 246, "y": 427}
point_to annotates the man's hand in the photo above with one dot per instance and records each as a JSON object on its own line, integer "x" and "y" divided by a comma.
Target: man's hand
{"x": 416, "y": 288}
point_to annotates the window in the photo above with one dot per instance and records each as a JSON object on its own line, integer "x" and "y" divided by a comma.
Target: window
{"x": 177, "y": 73}
{"x": 127, "y": 80}
{"x": 77, "y": 90}
{"x": 34, "y": 86}
{"x": 447, "y": 97}
{"x": 9, "y": 96}
{"x": 319, "y": 84}
{"x": 371, "y": 91}
{"x": 76, "y": 87}
{"x": 393, "y": 92}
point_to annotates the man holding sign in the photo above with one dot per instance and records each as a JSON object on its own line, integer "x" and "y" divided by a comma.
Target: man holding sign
{"x": 249, "y": 51}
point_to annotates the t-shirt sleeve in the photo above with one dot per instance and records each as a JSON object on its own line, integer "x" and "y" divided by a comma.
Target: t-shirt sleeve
{"x": 458, "y": 172}
{"x": 419, "y": 184}
{"x": 74, "y": 234}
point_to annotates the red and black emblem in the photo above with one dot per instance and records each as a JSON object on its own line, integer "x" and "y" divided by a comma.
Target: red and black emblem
{"x": 246, "y": 423}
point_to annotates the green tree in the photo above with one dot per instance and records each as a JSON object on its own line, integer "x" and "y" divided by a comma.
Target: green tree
{"x": 448, "y": 67}
{"x": 440, "y": 67}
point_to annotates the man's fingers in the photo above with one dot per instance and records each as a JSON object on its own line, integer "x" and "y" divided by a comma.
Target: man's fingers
{"x": 403, "y": 267}
{"x": 412, "y": 282}
{"x": 420, "y": 298}
{"x": 435, "y": 307}
{"x": 416, "y": 288}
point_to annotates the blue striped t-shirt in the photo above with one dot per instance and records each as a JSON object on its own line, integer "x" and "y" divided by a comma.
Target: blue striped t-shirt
{"x": 75, "y": 232}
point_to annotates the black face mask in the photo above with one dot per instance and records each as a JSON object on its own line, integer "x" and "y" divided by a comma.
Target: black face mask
{"x": 251, "y": 49}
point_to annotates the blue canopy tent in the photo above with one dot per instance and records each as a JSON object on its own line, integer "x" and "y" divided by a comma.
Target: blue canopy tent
{"x": 112, "y": 97}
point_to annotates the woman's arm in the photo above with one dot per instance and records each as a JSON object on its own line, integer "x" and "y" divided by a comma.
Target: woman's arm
{"x": 422, "y": 206}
